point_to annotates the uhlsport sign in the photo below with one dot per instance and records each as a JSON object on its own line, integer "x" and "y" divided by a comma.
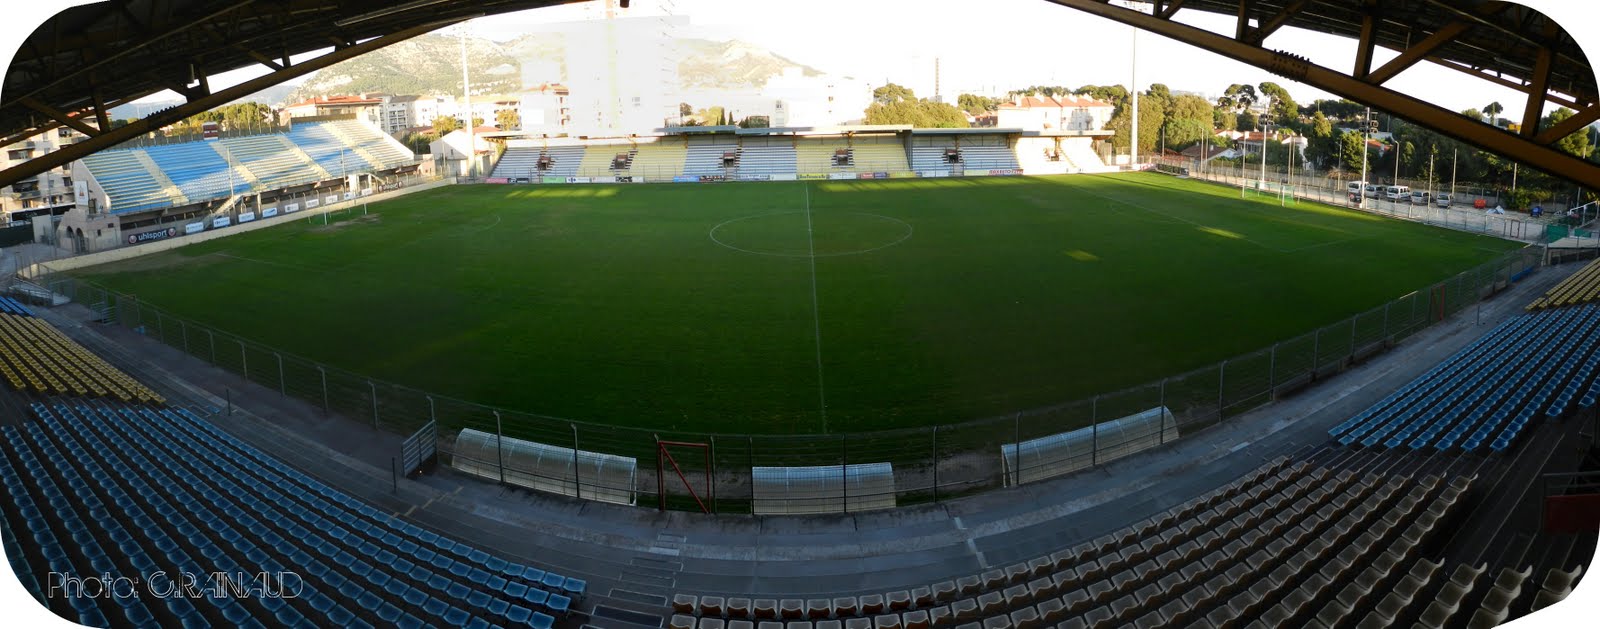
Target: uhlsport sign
{"x": 160, "y": 234}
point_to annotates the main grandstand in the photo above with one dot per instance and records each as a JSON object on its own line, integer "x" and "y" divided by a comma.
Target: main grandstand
{"x": 160, "y": 189}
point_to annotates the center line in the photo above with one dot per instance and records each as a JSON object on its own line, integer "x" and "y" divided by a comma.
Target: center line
{"x": 816, "y": 319}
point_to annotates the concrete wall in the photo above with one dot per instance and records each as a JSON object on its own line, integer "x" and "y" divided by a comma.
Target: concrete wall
{"x": 125, "y": 253}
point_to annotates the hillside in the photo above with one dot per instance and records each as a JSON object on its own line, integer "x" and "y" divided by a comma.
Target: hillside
{"x": 431, "y": 64}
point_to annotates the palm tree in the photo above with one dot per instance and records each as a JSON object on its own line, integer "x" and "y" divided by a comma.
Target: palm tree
{"x": 1493, "y": 110}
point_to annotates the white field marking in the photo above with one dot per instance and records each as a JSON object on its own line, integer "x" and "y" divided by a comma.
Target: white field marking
{"x": 712, "y": 234}
{"x": 816, "y": 316}
{"x": 1202, "y": 225}
{"x": 286, "y": 265}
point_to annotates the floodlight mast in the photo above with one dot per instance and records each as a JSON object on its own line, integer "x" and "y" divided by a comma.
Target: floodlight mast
{"x": 466, "y": 97}
{"x": 1366, "y": 136}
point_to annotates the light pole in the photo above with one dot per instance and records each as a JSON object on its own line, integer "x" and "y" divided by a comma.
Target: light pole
{"x": 466, "y": 97}
{"x": 1133, "y": 84}
{"x": 1366, "y": 136}
{"x": 1263, "y": 123}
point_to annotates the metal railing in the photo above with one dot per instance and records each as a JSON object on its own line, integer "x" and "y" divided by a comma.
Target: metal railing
{"x": 1460, "y": 216}
{"x": 930, "y": 463}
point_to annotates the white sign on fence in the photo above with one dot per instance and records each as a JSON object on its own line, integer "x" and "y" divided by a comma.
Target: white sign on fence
{"x": 292, "y": 207}
{"x": 218, "y": 223}
{"x": 269, "y": 212}
{"x": 247, "y": 217}
{"x": 313, "y": 203}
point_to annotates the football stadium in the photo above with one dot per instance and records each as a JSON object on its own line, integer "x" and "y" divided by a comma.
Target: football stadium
{"x": 713, "y": 373}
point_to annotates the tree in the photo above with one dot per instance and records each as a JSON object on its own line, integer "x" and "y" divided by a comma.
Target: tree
{"x": 443, "y": 125}
{"x": 755, "y": 122}
{"x": 1493, "y": 110}
{"x": 1149, "y": 126}
{"x": 917, "y": 113}
{"x": 1238, "y": 97}
{"x": 1322, "y": 148}
{"x": 684, "y": 110}
{"x": 1350, "y": 150}
{"x": 892, "y": 93}
{"x": 1246, "y": 121}
{"x": 1189, "y": 120}
{"x": 709, "y": 116}
{"x": 508, "y": 119}
{"x": 975, "y": 105}
{"x": 1577, "y": 144}
{"x": 1284, "y": 111}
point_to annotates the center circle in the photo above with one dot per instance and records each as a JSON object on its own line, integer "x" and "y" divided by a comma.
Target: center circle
{"x": 800, "y": 234}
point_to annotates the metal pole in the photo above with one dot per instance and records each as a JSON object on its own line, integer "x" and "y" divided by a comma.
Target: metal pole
{"x": 1353, "y": 337}
{"x": 1366, "y": 136}
{"x": 374, "y": 389}
{"x": 1316, "y": 353}
{"x": 577, "y": 481}
{"x": 244, "y": 361}
{"x": 212, "y": 338}
{"x": 936, "y": 464}
{"x": 394, "y": 474}
{"x": 1272, "y": 373}
{"x": 499, "y": 446}
{"x": 431, "y": 416}
{"x": 1386, "y": 320}
{"x": 229, "y": 392}
{"x": 711, "y": 471}
{"x": 283, "y": 388}
{"x": 184, "y": 328}
{"x": 1222, "y": 379}
{"x": 844, "y": 468}
{"x": 1016, "y": 437}
{"x": 324, "y": 373}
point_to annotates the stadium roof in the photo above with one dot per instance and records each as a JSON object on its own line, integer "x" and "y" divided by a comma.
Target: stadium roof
{"x": 1486, "y": 38}
{"x": 87, "y": 59}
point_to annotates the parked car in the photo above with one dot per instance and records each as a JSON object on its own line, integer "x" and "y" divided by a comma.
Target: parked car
{"x": 1373, "y": 190}
{"x": 1419, "y": 197}
{"x": 1396, "y": 194}
{"x": 1442, "y": 200}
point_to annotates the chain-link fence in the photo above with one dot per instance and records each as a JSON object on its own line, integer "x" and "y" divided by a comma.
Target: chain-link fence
{"x": 1461, "y": 215}
{"x": 929, "y": 464}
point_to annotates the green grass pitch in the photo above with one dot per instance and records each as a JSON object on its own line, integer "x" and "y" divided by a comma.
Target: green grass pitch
{"x": 700, "y": 307}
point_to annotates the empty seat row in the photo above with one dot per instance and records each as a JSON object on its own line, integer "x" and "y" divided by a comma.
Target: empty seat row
{"x": 12, "y": 306}
{"x": 1485, "y": 395}
{"x": 199, "y": 171}
{"x": 168, "y": 493}
{"x": 37, "y": 358}
{"x": 1224, "y": 557}
{"x": 1579, "y": 288}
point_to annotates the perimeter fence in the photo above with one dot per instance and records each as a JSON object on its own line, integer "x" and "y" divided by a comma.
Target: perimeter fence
{"x": 716, "y": 471}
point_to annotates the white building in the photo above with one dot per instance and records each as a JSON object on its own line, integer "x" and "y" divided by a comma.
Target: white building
{"x": 622, "y": 75}
{"x": 1067, "y": 113}
{"x": 545, "y": 110}
{"x": 47, "y": 193}
{"x": 368, "y": 107}
{"x": 816, "y": 101}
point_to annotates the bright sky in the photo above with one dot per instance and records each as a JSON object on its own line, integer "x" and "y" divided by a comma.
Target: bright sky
{"x": 989, "y": 46}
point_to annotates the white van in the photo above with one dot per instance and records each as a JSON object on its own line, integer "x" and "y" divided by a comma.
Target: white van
{"x": 1397, "y": 193}
{"x": 1419, "y": 197}
{"x": 1354, "y": 187}
{"x": 1442, "y": 200}
{"x": 1373, "y": 190}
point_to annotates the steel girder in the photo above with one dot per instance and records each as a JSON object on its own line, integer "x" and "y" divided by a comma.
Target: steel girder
{"x": 1531, "y": 146}
{"x": 90, "y": 58}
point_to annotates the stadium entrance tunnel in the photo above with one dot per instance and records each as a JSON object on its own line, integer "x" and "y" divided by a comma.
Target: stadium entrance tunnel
{"x": 800, "y": 234}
